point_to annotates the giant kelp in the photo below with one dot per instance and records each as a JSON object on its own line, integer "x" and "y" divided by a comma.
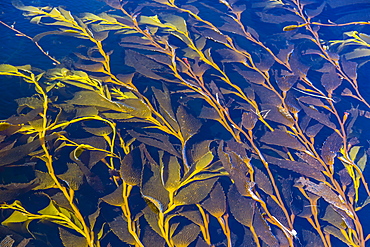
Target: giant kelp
{"x": 210, "y": 133}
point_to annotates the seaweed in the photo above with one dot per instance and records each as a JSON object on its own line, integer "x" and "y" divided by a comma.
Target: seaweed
{"x": 211, "y": 132}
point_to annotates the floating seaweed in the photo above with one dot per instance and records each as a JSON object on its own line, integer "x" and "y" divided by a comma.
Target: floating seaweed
{"x": 209, "y": 133}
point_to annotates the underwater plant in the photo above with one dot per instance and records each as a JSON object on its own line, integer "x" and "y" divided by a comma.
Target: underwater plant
{"x": 168, "y": 127}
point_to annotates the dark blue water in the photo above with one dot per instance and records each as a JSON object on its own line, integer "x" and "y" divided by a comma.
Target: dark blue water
{"x": 12, "y": 48}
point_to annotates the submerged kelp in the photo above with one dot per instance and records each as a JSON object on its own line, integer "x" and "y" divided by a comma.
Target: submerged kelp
{"x": 211, "y": 132}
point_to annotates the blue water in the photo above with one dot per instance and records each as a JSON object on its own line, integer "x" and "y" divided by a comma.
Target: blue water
{"x": 12, "y": 49}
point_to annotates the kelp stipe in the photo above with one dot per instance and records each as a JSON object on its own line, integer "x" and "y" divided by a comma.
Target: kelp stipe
{"x": 223, "y": 136}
